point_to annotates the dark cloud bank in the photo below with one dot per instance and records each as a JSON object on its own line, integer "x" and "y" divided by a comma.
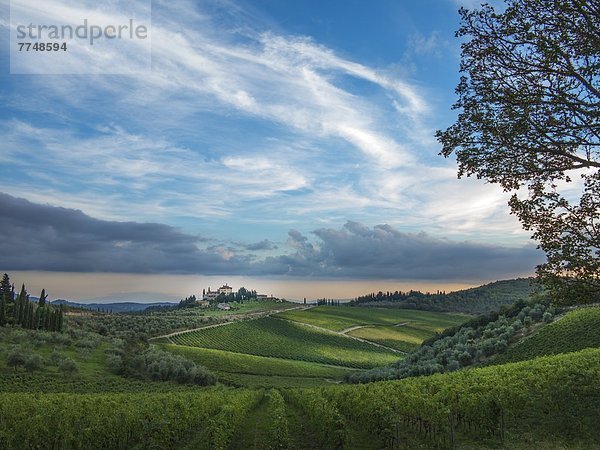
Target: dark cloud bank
{"x": 41, "y": 237}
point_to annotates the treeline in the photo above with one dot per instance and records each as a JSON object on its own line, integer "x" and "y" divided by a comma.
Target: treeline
{"x": 328, "y": 302}
{"x": 145, "y": 325}
{"x": 240, "y": 296}
{"x": 479, "y": 300}
{"x": 21, "y": 311}
{"x": 469, "y": 344}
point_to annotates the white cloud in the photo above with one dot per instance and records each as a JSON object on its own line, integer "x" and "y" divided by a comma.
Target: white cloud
{"x": 352, "y": 156}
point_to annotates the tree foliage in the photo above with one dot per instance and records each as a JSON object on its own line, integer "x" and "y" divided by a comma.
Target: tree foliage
{"x": 136, "y": 359}
{"x": 22, "y": 311}
{"x": 479, "y": 300}
{"x": 471, "y": 343}
{"x": 529, "y": 102}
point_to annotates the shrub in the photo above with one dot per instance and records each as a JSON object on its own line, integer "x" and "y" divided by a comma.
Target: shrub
{"x": 16, "y": 358}
{"x": 33, "y": 362}
{"x": 68, "y": 366}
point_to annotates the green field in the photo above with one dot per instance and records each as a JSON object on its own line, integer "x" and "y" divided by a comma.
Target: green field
{"x": 548, "y": 402}
{"x": 88, "y": 353}
{"x": 338, "y": 318}
{"x": 494, "y": 407}
{"x": 258, "y": 371}
{"x": 400, "y": 329}
{"x": 159, "y": 322}
{"x": 405, "y": 338}
{"x": 575, "y": 331}
{"x": 283, "y": 339}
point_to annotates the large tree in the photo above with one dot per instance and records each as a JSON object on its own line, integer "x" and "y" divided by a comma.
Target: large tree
{"x": 529, "y": 110}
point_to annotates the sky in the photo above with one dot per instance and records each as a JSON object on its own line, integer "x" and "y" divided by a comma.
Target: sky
{"x": 284, "y": 144}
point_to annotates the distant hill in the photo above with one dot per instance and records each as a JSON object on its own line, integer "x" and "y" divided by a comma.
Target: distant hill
{"x": 479, "y": 300}
{"x": 117, "y": 307}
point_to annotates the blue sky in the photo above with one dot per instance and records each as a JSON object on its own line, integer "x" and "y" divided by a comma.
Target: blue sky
{"x": 270, "y": 139}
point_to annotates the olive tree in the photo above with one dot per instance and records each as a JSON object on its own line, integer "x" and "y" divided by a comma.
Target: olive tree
{"x": 529, "y": 120}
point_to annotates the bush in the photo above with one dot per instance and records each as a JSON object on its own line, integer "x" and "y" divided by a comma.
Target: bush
{"x": 114, "y": 363}
{"x": 132, "y": 359}
{"x": 16, "y": 358}
{"x": 68, "y": 366}
{"x": 33, "y": 362}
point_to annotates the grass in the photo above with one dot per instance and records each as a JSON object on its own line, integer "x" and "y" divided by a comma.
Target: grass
{"x": 548, "y": 402}
{"x": 242, "y": 380}
{"x": 221, "y": 361}
{"x": 405, "y": 338}
{"x": 92, "y": 376}
{"x": 543, "y": 403}
{"x": 400, "y": 329}
{"x": 575, "y": 331}
{"x": 338, "y": 318}
{"x": 283, "y": 339}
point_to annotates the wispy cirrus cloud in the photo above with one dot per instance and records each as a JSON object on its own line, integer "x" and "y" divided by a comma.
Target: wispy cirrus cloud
{"x": 239, "y": 125}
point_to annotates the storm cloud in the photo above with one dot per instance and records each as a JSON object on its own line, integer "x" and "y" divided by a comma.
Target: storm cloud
{"x": 265, "y": 244}
{"x": 359, "y": 252}
{"x": 42, "y": 237}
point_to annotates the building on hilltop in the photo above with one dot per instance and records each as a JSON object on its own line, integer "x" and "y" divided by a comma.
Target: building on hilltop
{"x": 212, "y": 295}
{"x": 225, "y": 289}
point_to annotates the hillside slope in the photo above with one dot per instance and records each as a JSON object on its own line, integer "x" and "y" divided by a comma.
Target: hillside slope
{"x": 574, "y": 331}
{"x": 531, "y": 404}
{"x": 478, "y": 300}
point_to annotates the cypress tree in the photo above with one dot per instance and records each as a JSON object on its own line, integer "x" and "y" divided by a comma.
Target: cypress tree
{"x": 60, "y": 318}
{"x": 54, "y": 321}
{"x": 41, "y": 314}
{"x": 43, "y": 298}
{"x": 25, "y": 315}
{"x": 30, "y": 315}
{"x": 36, "y": 319}
{"x": 47, "y": 313}
{"x": 2, "y": 310}
{"x": 20, "y": 306}
{"x": 5, "y": 287}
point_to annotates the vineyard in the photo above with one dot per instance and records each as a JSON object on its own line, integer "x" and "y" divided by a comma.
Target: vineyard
{"x": 399, "y": 329}
{"x": 405, "y": 338}
{"x": 278, "y": 338}
{"x": 577, "y": 330}
{"x": 292, "y": 396}
{"x": 249, "y": 370}
{"x": 527, "y": 404}
{"x": 163, "y": 321}
{"x": 338, "y": 318}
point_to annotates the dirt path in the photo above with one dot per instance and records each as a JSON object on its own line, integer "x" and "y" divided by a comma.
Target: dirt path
{"x": 345, "y": 335}
{"x": 228, "y": 319}
{"x": 356, "y": 327}
{"x": 177, "y": 333}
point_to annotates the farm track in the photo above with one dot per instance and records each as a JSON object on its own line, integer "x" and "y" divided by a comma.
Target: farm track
{"x": 229, "y": 320}
{"x": 357, "y": 327}
{"x": 342, "y": 333}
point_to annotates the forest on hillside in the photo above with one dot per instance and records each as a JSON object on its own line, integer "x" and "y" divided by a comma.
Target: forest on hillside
{"x": 479, "y": 300}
